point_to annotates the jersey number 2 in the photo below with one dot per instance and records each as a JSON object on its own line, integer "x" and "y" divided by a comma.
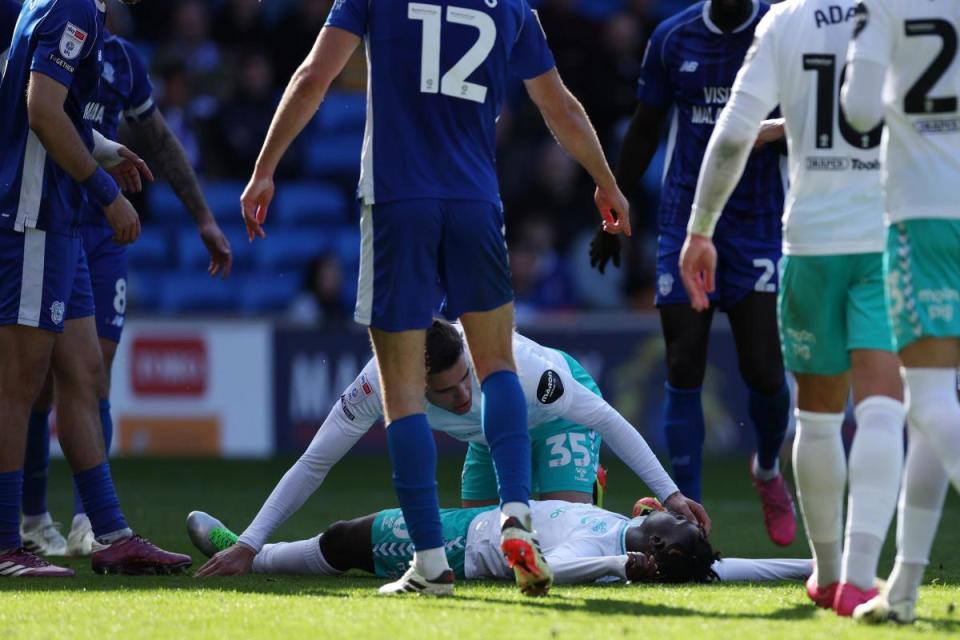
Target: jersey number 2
{"x": 454, "y": 81}
{"x": 918, "y": 98}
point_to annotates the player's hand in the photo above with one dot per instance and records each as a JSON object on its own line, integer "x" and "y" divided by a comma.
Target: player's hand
{"x": 698, "y": 266}
{"x": 127, "y": 171}
{"x": 255, "y": 201}
{"x": 689, "y": 509}
{"x": 123, "y": 219}
{"x": 610, "y": 202}
{"x": 604, "y": 248}
{"x": 221, "y": 258}
{"x": 640, "y": 567}
{"x": 770, "y": 131}
{"x": 232, "y": 561}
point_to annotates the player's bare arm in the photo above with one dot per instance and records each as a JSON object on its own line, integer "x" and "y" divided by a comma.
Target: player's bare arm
{"x": 861, "y": 94}
{"x": 299, "y": 103}
{"x": 50, "y": 123}
{"x": 569, "y": 123}
{"x": 172, "y": 163}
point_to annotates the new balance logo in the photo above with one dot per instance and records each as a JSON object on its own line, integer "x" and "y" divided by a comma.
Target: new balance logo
{"x": 689, "y": 66}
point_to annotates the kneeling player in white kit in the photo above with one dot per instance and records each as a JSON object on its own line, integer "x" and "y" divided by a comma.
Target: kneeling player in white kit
{"x": 904, "y": 68}
{"x": 556, "y": 398}
{"x": 832, "y": 309}
{"x": 583, "y": 543}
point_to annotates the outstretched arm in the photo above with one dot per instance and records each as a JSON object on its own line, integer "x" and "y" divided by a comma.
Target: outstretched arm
{"x": 300, "y": 101}
{"x": 172, "y": 163}
{"x": 762, "y": 570}
{"x": 569, "y": 123}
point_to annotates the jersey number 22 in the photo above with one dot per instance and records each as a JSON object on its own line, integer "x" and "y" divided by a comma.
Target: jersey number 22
{"x": 453, "y": 83}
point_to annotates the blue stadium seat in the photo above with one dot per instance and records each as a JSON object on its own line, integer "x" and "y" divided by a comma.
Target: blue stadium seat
{"x": 196, "y": 292}
{"x": 342, "y": 112}
{"x": 269, "y": 293}
{"x": 223, "y": 197}
{"x": 164, "y": 206}
{"x": 290, "y": 250}
{"x": 192, "y": 254}
{"x": 152, "y": 250}
{"x": 299, "y": 203}
{"x": 143, "y": 290}
{"x": 329, "y": 155}
{"x": 347, "y": 247}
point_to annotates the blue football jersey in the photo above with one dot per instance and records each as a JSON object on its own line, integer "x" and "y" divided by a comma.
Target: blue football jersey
{"x": 689, "y": 67}
{"x": 61, "y": 39}
{"x": 438, "y": 74}
{"x": 125, "y": 91}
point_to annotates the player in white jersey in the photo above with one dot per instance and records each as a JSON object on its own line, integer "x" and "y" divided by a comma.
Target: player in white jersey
{"x": 583, "y": 543}
{"x": 552, "y": 393}
{"x": 832, "y": 311}
{"x": 903, "y": 67}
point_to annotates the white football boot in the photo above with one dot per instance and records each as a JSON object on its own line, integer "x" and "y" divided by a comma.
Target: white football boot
{"x": 880, "y": 609}
{"x": 80, "y": 540}
{"x": 42, "y": 537}
{"x": 413, "y": 582}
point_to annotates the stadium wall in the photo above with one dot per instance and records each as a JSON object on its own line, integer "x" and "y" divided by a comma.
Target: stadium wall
{"x": 257, "y": 388}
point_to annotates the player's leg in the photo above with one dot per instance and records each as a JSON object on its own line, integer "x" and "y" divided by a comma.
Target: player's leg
{"x": 78, "y": 369}
{"x": 345, "y": 545}
{"x": 476, "y": 278}
{"x": 40, "y": 533}
{"x": 34, "y": 281}
{"x": 686, "y": 334}
{"x": 398, "y": 272}
{"x": 875, "y": 463}
{"x": 108, "y": 277}
{"x": 815, "y": 351}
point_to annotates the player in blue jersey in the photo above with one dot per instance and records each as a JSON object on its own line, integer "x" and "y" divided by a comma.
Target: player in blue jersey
{"x": 438, "y": 74}
{"x": 689, "y": 67}
{"x": 9, "y": 11}
{"x": 46, "y": 303}
{"x": 125, "y": 92}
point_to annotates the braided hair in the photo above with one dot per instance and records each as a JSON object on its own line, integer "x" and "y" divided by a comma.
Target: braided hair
{"x": 687, "y": 562}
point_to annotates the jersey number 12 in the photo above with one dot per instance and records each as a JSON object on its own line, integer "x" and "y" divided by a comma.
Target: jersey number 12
{"x": 453, "y": 83}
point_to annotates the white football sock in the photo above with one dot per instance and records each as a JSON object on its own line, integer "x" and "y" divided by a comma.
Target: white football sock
{"x": 430, "y": 563}
{"x": 935, "y": 410}
{"x": 875, "y": 468}
{"x": 925, "y": 486}
{"x": 301, "y": 557}
{"x": 820, "y": 470}
{"x": 29, "y": 523}
{"x": 518, "y": 510}
{"x": 765, "y": 475}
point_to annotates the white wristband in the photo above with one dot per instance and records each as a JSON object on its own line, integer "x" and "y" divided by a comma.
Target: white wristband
{"x": 106, "y": 152}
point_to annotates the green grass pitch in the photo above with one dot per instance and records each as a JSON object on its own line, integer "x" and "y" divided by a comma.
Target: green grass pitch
{"x": 157, "y": 495}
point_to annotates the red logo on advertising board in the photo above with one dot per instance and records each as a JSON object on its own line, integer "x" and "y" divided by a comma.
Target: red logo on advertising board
{"x": 169, "y": 366}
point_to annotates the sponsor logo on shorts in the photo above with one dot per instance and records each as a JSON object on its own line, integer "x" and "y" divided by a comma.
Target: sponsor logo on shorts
{"x": 57, "y": 310}
{"x": 801, "y": 341}
{"x": 665, "y": 284}
{"x": 551, "y": 387}
{"x": 940, "y": 302}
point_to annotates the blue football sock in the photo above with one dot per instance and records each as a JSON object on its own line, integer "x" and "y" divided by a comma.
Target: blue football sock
{"x": 685, "y": 430}
{"x": 100, "y": 501}
{"x": 11, "y": 488}
{"x": 770, "y": 416}
{"x": 106, "y": 423}
{"x": 36, "y": 463}
{"x": 414, "y": 455}
{"x": 504, "y": 415}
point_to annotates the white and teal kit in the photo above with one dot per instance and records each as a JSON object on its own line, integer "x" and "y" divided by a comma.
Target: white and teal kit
{"x": 832, "y": 294}
{"x": 581, "y": 542}
{"x": 552, "y": 391}
{"x": 916, "y": 43}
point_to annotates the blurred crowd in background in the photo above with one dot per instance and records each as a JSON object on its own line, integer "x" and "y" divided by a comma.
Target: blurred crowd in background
{"x": 219, "y": 68}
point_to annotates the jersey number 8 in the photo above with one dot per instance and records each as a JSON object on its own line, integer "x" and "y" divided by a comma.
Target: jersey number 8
{"x": 454, "y": 81}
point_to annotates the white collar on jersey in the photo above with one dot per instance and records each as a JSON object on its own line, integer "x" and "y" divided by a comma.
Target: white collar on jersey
{"x": 713, "y": 27}
{"x": 102, "y": 5}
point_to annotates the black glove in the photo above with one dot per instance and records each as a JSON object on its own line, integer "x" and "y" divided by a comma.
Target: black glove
{"x": 603, "y": 247}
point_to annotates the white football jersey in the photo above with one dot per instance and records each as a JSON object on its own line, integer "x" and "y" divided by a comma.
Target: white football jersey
{"x": 834, "y": 204}
{"x": 916, "y": 40}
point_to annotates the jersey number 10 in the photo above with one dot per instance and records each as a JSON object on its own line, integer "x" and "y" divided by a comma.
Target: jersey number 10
{"x": 825, "y": 66}
{"x": 454, "y": 81}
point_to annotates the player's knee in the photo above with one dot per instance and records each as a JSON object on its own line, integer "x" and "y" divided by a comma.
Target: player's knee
{"x": 685, "y": 373}
{"x": 335, "y": 544}
{"x": 763, "y": 375}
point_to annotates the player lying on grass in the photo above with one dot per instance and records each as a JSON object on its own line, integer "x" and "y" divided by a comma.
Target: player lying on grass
{"x": 562, "y": 412}
{"x": 581, "y": 542}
